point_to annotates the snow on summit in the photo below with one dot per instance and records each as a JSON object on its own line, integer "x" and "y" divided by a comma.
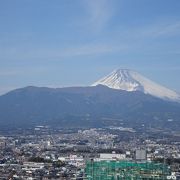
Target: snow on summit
{"x": 130, "y": 80}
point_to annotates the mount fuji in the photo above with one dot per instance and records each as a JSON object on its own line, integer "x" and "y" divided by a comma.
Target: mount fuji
{"x": 129, "y": 80}
{"x": 124, "y": 96}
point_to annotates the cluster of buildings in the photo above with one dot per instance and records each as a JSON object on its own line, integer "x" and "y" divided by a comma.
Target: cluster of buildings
{"x": 45, "y": 153}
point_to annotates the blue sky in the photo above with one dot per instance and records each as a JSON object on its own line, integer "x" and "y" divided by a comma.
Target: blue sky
{"x": 75, "y": 42}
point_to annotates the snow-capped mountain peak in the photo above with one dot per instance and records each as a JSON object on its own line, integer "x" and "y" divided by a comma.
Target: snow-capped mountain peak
{"x": 129, "y": 80}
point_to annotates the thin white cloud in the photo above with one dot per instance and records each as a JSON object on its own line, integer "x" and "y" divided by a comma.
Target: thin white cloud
{"x": 125, "y": 40}
{"x": 171, "y": 29}
{"x": 143, "y": 33}
{"x": 150, "y": 38}
{"x": 11, "y": 72}
{"x": 91, "y": 49}
{"x": 8, "y": 73}
{"x": 159, "y": 29}
{"x": 99, "y": 13}
{"x": 163, "y": 29}
{"x": 50, "y": 53}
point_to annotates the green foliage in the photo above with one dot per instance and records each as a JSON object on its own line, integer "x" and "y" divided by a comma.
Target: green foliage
{"x": 125, "y": 170}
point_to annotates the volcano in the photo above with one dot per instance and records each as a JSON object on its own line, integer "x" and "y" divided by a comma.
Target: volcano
{"x": 129, "y": 80}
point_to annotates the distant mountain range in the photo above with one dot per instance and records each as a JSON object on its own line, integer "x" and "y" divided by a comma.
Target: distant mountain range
{"x": 124, "y": 98}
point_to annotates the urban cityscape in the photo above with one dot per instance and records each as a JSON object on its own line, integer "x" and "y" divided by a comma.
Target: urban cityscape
{"x": 43, "y": 152}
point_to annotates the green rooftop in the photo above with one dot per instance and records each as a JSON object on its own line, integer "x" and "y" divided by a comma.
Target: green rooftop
{"x": 126, "y": 170}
